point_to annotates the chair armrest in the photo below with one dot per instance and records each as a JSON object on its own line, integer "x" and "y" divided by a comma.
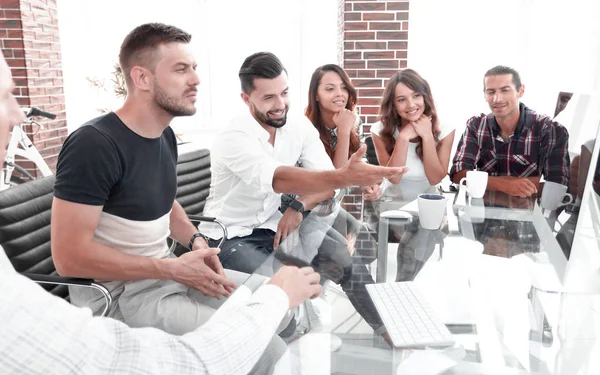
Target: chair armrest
{"x": 197, "y": 218}
{"x": 73, "y": 281}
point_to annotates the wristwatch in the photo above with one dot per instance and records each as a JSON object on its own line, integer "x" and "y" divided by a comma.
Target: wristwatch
{"x": 196, "y": 235}
{"x": 297, "y": 205}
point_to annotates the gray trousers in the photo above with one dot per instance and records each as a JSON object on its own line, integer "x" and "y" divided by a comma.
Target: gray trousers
{"x": 177, "y": 309}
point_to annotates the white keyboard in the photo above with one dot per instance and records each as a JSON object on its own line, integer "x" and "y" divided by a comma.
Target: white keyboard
{"x": 409, "y": 319}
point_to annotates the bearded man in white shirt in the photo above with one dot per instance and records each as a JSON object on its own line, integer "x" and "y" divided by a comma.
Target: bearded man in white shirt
{"x": 253, "y": 161}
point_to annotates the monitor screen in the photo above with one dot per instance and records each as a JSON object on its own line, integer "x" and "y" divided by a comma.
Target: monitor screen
{"x": 578, "y": 226}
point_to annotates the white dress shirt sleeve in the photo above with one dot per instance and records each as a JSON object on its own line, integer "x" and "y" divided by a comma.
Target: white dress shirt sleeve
{"x": 43, "y": 334}
{"x": 313, "y": 155}
{"x": 244, "y": 156}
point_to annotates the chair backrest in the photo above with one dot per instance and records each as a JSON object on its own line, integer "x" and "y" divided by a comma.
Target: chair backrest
{"x": 193, "y": 184}
{"x": 193, "y": 180}
{"x": 371, "y": 154}
{"x": 25, "y": 229}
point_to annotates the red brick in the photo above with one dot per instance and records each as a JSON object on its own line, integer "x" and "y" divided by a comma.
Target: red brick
{"x": 382, "y": 64}
{"x": 365, "y": 73}
{"x": 10, "y": 24}
{"x": 359, "y": 35}
{"x": 396, "y": 5}
{"x": 348, "y": 199}
{"x": 352, "y": 73}
{"x": 14, "y": 34}
{"x": 12, "y": 14}
{"x": 392, "y": 35}
{"x": 367, "y": 83}
{"x": 348, "y": 45}
{"x": 349, "y": 16}
{"x": 352, "y": 56}
{"x": 11, "y": 4}
{"x": 385, "y": 73}
{"x": 370, "y": 120}
{"x": 354, "y": 64}
{"x": 20, "y": 82}
{"x": 23, "y": 101}
{"x": 370, "y": 45}
{"x": 384, "y": 25}
{"x": 347, "y": 7}
{"x": 369, "y": 110}
{"x": 18, "y": 53}
{"x": 53, "y": 90}
{"x": 405, "y": 26}
{"x": 356, "y": 26}
{"x": 369, "y": 101}
{"x": 16, "y": 63}
{"x": 378, "y": 55}
{"x": 378, "y": 16}
{"x": 19, "y": 72}
{"x": 403, "y": 64}
{"x": 370, "y": 93}
{"x": 369, "y": 6}
{"x": 397, "y": 45}
{"x": 401, "y": 54}
{"x": 402, "y": 16}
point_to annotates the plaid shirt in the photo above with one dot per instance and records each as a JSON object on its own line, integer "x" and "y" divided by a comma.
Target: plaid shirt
{"x": 539, "y": 146}
{"x": 43, "y": 334}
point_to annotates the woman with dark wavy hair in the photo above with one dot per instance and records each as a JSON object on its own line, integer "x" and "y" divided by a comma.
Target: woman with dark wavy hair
{"x": 331, "y": 102}
{"x": 409, "y": 132}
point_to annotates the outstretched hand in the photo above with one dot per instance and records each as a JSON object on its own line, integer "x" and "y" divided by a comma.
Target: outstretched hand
{"x": 357, "y": 172}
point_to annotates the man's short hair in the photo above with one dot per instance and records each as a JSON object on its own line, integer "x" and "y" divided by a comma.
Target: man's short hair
{"x": 259, "y": 65}
{"x": 141, "y": 42}
{"x": 502, "y": 70}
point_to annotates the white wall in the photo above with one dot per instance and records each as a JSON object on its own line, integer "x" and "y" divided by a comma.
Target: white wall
{"x": 554, "y": 44}
{"x": 302, "y": 33}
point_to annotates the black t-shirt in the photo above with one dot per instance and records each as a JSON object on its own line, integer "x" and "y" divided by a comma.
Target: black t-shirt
{"x": 104, "y": 163}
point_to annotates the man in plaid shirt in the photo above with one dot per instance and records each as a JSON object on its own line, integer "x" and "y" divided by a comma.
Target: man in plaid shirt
{"x": 514, "y": 144}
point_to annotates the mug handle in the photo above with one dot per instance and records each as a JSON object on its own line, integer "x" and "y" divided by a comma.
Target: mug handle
{"x": 461, "y": 182}
{"x": 562, "y": 203}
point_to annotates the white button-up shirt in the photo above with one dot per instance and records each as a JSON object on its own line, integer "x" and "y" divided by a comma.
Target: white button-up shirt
{"x": 243, "y": 164}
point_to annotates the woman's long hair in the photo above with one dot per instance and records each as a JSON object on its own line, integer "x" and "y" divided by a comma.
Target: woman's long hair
{"x": 390, "y": 118}
{"x": 313, "y": 110}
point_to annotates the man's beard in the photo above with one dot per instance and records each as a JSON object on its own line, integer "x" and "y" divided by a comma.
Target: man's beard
{"x": 171, "y": 105}
{"x": 265, "y": 119}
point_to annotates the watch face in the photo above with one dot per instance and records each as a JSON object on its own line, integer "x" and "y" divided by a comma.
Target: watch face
{"x": 297, "y": 205}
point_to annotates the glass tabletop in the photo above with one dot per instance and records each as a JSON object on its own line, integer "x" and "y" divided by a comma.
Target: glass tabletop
{"x": 492, "y": 272}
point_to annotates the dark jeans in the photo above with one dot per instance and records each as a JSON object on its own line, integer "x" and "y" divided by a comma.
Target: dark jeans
{"x": 332, "y": 261}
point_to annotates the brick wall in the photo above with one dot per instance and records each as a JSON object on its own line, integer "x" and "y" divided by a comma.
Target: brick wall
{"x": 31, "y": 46}
{"x": 372, "y": 46}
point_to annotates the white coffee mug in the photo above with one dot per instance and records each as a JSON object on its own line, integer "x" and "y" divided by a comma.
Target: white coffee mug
{"x": 553, "y": 196}
{"x": 432, "y": 208}
{"x": 476, "y": 183}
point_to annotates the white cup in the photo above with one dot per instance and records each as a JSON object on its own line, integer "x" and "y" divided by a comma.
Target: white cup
{"x": 553, "y": 196}
{"x": 476, "y": 182}
{"x": 432, "y": 208}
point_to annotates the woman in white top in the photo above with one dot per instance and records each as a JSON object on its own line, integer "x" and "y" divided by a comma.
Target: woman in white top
{"x": 409, "y": 133}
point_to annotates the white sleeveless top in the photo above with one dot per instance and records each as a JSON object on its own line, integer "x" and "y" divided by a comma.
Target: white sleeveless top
{"x": 416, "y": 169}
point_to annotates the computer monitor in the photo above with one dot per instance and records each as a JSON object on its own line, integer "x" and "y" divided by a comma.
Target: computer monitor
{"x": 579, "y": 234}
